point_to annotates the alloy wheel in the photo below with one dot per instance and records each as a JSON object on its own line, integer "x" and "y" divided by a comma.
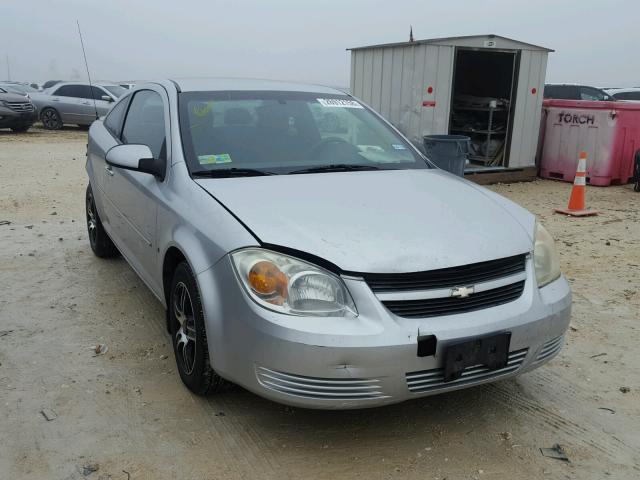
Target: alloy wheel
{"x": 92, "y": 222}
{"x": 50, "y": 119}
{"x": 186, "y": 334}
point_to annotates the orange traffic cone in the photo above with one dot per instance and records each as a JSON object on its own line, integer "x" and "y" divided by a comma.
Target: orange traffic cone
{"x": 577, "y": 207}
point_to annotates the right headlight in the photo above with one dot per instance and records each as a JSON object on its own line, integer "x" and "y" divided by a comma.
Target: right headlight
{"x": 288, "y": 285}
{"x": 545, "y": 257}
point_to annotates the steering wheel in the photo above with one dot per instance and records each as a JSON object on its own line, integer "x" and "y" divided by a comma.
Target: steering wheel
{"x": 318, "y": 147}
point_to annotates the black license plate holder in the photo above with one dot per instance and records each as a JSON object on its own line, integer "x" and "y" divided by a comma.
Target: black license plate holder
{"x": 491, "y": 352}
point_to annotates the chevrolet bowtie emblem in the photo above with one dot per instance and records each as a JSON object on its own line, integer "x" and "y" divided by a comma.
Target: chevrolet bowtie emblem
{"x": 461, "y": 292}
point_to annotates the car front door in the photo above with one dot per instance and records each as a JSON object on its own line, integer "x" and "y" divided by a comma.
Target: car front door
{"x": 132, "y": 196}
{"x": 66, "y": 100}
{"x": 102, "y": 106}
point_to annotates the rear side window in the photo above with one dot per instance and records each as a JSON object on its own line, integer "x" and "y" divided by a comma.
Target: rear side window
{"x": 145, "y": 122}
{"x": 76, "y": 91}
{"x": 563, "y": 92}
{"x": 113, "y": 122}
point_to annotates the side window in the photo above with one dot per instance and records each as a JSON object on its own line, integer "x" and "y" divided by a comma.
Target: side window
{"x": 145, "y": 122}
{"x": 68, "y": 91}
{"x": 113, "y": 122}
{"x": 628, "y": 96}
{"x": 97, "y": 93}
{"x": 589, "y": 93}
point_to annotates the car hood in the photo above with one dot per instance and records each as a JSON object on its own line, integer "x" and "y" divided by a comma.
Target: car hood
{"x": 13, "y": 97}
{"x": 378, "y": 221}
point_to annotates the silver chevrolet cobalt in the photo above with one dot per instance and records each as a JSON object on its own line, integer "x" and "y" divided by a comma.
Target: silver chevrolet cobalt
{"x": 305, "y": 250}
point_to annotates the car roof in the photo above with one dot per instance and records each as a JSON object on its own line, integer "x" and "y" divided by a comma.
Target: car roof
{"x": 227, "y": 84}
{"x": 99, "y": 84}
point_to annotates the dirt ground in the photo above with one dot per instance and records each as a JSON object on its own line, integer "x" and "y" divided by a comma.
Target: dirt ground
{"x": 127, "y": 414}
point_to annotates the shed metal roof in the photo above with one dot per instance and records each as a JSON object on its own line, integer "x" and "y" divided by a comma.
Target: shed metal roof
{"x": 489, "y": 36}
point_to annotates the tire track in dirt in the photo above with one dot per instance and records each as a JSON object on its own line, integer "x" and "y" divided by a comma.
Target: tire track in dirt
{"x": 587, "y": 432}
{"x": 251, "y": 456}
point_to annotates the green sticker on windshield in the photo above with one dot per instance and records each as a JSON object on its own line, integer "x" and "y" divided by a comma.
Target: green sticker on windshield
{"x": 214, "y": 159}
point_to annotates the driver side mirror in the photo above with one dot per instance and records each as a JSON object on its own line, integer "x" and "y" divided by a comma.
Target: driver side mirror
{"x": 137, "y": 158}
{"x": 106, "y": 98}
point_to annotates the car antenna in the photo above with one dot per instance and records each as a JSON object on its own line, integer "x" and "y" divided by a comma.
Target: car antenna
{"x": 95, "y": 108}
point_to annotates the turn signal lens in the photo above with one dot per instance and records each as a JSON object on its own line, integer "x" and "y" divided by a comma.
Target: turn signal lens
{"x": 265, "y": 278}
{"x": 291, "y": 286}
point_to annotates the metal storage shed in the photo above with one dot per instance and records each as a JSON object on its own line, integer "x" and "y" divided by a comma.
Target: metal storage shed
{"x": 486, "y": 86}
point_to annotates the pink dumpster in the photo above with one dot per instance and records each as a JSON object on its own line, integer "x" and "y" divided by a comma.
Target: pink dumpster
{"x": 608, "y": 131}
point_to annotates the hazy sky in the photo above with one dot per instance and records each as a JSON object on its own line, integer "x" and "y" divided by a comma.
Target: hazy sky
{"x": 596, "y": 42}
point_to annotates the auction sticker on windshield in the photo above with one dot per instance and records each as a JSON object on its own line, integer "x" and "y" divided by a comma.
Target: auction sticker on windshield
{"x": 214, "y": 159}
{"x": 338, "y": 102}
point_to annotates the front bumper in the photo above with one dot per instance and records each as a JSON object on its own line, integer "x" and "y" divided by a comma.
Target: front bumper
{"x": 10, "y": 118}
{"x": 371, "y": 360}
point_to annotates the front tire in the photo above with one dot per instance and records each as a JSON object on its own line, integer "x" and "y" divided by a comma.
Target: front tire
{"x": 51, "y": 119}
{"x": 188, "y": 334}
{"x": 100, "y": 242}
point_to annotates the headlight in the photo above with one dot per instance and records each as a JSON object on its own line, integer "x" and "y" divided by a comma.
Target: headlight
{"x": 288, "y": 285}
{"x": 545, "y": 257}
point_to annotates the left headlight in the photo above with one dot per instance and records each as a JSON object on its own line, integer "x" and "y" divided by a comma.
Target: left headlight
{"x": 288, "y": 285}
{"x": 545, "y": 257}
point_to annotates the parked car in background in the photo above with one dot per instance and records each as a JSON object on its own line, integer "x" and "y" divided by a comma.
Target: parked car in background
{"x": 75, "y": 103}
{"x": 127, "y": 85}
{"x": 632, "y": 93}
{"x": 50, "y": 83}
{"x": 21, "y": 88}
{"x": 567, "y": 91}
{"x": 17, "y": 112}
{"x": 316, "y": 266}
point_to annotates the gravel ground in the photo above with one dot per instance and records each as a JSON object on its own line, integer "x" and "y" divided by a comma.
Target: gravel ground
{"x": 125, "y": 414}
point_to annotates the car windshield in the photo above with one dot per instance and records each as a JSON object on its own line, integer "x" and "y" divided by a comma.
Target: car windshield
{"x": 115, "y": 90}
{"x": 253, "y": 133}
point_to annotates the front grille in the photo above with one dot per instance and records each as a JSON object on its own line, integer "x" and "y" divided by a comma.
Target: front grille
{"x": 550, "y": 348}
{"x": 320, "y": 388}
{"x": 430, "y": 380}
{"x": 446, "y": 277}
{"x": 20, "y": 106}
{"x": 433, "y": 307}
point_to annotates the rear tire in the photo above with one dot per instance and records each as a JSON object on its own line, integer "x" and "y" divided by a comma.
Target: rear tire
{"x": 51, "y": 119}
{"x": 99, "y": 240}
{"x": 188, "y": 334}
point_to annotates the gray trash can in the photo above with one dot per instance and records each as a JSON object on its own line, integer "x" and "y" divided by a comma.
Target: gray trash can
{"x": 449, "y": 152}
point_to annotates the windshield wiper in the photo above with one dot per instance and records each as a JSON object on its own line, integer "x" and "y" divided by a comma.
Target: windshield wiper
{"x": 231, "y": 172}
{"x": 335, "y": 167}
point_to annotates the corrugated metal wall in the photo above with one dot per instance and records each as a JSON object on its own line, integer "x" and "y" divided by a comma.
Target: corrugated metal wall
{"x": 394, "y": 80}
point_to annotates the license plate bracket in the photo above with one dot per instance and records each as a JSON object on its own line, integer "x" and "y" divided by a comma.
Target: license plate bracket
{"x": 491, "y": 352}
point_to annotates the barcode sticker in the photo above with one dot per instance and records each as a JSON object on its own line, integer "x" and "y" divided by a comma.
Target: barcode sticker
{"x": 338, "y": 102}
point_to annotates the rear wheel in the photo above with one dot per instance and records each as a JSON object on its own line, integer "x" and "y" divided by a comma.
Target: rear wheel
{"x": 51, "y": 119}
{"x": 100, "y": 242}
{"x": 189, "y": 338}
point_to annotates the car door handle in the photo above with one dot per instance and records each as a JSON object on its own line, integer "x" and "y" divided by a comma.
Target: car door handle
{"x": 109, "y": 170}
{"x": 86, "y": 103}
{"x": 55, "y": 99}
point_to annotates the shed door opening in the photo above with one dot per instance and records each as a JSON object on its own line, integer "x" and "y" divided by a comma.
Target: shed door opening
{"x": 482, "y": 103}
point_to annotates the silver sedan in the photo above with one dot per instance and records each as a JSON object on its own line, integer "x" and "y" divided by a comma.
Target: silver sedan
{"x": 305, "y": 250}
{"x": 75, "y": 103}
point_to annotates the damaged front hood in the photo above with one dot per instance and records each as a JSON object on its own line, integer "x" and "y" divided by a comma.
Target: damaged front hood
{"x": 378, "y": 221}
